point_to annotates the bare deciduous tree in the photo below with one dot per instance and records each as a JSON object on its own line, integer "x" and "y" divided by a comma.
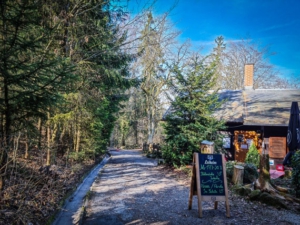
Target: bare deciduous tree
{"x": 236, "y": 54}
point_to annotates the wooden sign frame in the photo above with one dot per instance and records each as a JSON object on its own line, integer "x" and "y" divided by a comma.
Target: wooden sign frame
{"x": 195, "y": 188}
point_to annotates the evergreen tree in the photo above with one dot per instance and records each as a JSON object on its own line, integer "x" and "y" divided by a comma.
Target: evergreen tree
{"x": 190, "y": 120}
{"x": 219, "y": 54}
{"x": 91, "y": 38}
{"x": 253, "y": 156}
{"x": 31, "y": 75}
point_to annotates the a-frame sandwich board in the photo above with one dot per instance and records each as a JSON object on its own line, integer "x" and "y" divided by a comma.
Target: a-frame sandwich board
{"x": 209, "y": 181}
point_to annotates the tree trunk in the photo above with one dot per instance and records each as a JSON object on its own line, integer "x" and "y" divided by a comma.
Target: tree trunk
{"x": 16, "y": 148}
{"x": 48, "y": 161}
{"x": 111, "y": 139}
{"x": 263, "y": 181}
{"x": 149, "y": 140}
{"x": 54, "y": 142}
{"x": 123, "y": 140}
{"x": 3, "y": 156}
{"x": 40, "y": 132}
{"x": 62, "y": 134}
{"x": 1, "y": 127}
{"x": 26, "y": 156}
{"x": 78, "y": 133}
{"x": 6, "y": 134}
{"x": 151, "y": 126}
{"x": 3, "y": 166}
{"x": 135, "y": 127}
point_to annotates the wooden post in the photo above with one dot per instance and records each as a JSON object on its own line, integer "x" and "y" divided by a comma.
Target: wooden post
{"x": 192, "y": 184}
{"x": 238, "y": 175}
{"x": 198, "y": 184}
{"x": 216, "y": 205}
{"x": 226, "y": 188}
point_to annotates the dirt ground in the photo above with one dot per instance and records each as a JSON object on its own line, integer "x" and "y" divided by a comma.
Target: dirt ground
{"x": 133, "y": 190}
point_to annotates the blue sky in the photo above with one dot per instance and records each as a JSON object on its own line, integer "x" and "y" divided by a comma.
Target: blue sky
{"x": 273, "y": 23}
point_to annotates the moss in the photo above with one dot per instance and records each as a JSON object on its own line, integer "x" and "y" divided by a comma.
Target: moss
{"x": 272, "y": 200}
{"x": 250, "y": 173}
{"x": 243, "y": 191}
{"x": 267, "y": 198}
{"x": 287, "y": 174}
{"x": 254, "y": 195}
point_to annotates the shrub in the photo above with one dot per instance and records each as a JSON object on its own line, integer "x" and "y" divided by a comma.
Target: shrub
{"x": 296, "y": 173}
{"x": 250, "y": 173}
{"x": 175, "y": 156}
{"x": 253, "y": 156}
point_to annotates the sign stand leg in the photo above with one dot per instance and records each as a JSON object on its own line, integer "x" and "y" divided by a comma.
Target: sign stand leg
{"x": 192, "y": 191}
{"x": 226, "y": 190}
{"x": 198, "y": 184}
{"x": 216, "y": 204}
{"x": 227, "y": 209}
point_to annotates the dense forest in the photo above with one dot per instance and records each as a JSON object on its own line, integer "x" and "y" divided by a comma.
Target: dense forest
{"x": 79, "y": 76}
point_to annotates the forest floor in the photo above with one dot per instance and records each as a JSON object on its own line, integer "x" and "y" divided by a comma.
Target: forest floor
{"x": 33, "y": 193}
{"x": 132, "y": 190}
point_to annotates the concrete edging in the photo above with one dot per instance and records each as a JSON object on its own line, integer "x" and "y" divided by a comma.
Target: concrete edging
{"x": 74, "y": 207}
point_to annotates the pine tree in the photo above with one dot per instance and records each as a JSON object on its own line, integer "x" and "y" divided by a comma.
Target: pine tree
{"x": 253, "y": 156}
{"x": 31, "y": 75}
{"x": 219, "y": 54}
{"x": 90, "y": 37}
{"x": 190, "y": 120}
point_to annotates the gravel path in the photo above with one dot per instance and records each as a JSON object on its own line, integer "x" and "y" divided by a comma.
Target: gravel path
{"x": 132, "y": 190}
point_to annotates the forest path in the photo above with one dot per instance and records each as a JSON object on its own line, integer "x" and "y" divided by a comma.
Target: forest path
{"x": 132, "y": 190}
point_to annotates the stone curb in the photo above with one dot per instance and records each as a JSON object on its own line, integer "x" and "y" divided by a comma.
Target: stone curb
{"x": 86, "y": 198}
{"x": 81, "y": 209}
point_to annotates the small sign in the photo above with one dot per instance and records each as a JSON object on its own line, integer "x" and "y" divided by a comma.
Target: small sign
{"x": 279, "y": 167}
{"x": 209, "y": 180}
{"x": 271, "y": 162}
{"x": 244, "y": 146}
{"x": 207, "y": 147}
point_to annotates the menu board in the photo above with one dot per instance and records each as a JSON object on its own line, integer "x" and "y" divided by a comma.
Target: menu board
{"x": 277, "y": 147}
{"x": 209, "y": 180}
{"x": 211, "y": 174}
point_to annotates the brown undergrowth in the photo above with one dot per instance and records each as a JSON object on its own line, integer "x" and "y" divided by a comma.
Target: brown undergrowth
{"x": 33, "y": 193}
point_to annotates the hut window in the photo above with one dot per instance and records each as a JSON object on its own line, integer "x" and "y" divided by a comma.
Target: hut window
{"x": 240, "y": 138}
{"x": 226, "y": 142}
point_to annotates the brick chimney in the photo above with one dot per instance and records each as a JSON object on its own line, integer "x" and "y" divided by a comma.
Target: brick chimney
{"x": 248, "y": 79}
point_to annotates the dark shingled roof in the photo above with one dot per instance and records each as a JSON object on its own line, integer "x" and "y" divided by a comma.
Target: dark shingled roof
{"x": 257, "y": 107}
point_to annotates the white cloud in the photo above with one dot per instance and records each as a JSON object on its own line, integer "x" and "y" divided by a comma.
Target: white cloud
{"x": 278, "y": 26}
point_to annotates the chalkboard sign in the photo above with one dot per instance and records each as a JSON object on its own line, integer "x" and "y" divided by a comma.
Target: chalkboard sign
{"x": 211, "y": 174}
{"x": 209, "y": 181}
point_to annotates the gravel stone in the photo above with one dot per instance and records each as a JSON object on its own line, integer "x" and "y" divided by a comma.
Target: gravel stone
{"x": 133, "y": 190}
